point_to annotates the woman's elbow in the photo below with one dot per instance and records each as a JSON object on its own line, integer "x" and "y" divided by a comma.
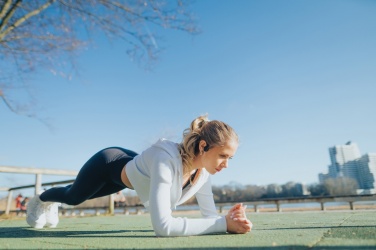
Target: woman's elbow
{"x": 162, "y": 232}
{"x": 168, "y": 230}
{"x": 169, "y": 227}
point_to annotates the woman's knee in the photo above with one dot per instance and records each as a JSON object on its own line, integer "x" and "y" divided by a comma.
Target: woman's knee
{"x": 72, "y": 198}
{"x": 74, "y": 201}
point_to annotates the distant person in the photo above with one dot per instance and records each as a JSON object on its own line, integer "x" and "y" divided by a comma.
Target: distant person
{"x": 119, "y": 199}
{"x": 18, "y": 203}
{"x": 19, "y": 199}
{"x": 165, "y": 175}
{"x": 24, "y": 203}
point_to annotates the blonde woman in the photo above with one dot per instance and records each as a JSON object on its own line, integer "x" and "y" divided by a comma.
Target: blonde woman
{"x": 164, "y": 176}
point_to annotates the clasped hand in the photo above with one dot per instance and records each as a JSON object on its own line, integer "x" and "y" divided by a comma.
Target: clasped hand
{"x": 237, "y": 221}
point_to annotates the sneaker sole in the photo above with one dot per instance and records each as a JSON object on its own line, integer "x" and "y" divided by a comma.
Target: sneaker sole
{"x": 35, "y": 225}
{"x": 51, "y": 225}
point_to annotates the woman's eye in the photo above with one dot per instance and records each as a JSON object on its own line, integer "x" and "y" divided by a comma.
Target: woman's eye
{"x": 225, "y": 157}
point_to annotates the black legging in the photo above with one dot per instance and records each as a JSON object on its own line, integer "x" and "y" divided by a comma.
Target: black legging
{"x": 100, "y": 176}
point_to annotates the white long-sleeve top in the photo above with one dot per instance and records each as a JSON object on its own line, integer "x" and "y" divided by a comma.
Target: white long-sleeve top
{"x": 157, "y": 177}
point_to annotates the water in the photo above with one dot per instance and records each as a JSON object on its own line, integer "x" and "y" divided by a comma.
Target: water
{"x": 312, "y": 205}
{"x": 194, "y": 207}
{"x": 288, "y": 205}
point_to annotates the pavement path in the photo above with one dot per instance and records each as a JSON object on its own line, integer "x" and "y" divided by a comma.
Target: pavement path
{"x": 284, "y": 230}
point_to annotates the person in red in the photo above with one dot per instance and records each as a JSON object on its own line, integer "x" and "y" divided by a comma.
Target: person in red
{"x": 19, "y": 199}
{"x": 18, "y": 202}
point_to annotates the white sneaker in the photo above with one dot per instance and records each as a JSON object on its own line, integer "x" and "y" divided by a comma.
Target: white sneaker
{"x": 52, "y": 214}
{"x": 35, "y": 215}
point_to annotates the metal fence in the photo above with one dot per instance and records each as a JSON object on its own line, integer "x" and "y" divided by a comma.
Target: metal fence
{"x": 38, "y": 172}
{"x": 278, "y": 202}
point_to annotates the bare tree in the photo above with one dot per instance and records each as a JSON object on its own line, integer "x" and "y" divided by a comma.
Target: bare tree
{"x": 318, "y": 189}
{"x": 341, "y": 186}
{"x": 253, "y": 192}
{"x": 273, "y": 190}
{"x": 46, "y": 34}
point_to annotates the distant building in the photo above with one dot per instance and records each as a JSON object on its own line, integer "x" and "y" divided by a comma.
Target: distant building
{"x": 342, "y": 159}
{"x": 346, "y": 161}
{"x": 367, "y": 171}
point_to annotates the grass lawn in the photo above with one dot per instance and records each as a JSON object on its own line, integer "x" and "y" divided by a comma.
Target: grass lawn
{"x": 284, "y": 230}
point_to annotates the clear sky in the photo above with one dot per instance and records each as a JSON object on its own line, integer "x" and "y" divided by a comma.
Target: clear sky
{"x": 292, "y": 77}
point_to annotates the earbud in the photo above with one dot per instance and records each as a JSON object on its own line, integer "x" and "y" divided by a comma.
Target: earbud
{"x": 206, "y": 148}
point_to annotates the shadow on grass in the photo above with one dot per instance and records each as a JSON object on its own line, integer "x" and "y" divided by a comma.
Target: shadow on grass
{"x": 27, "y": 232}
{"x": 292, "y": 247}
{"x": 320, "y": 227}
{"x": 364, "y": 232}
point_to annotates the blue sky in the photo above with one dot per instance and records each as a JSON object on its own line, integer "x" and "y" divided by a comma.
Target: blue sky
{"x": 292, "y": 77}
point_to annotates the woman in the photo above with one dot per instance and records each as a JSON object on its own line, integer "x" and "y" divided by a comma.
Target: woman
{"x": 165, "y": 175}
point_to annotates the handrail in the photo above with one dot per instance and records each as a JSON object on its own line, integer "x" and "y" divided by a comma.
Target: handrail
{"x": 321, "y": 199}
{"x": 10, "y": 194}
{"x": 38, "y": 179}
{"x": 26, "y": 170}
{"x": 277, "y": 201}
{"x": 43, "y": 184}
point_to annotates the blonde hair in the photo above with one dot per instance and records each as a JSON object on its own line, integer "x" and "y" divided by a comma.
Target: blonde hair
{"x": 214, "y": 133}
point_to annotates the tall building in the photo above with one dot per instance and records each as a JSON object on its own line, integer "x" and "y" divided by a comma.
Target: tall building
{"x": 367, "y": 171}
{"x": 342, "y": 159}
{"x": 346, "y": 161}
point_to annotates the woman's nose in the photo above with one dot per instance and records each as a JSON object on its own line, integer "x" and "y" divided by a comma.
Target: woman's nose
{"x": 225, "y": 164}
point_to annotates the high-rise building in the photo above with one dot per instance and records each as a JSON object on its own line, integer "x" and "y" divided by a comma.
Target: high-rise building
{"x": 346, "y": 161}
{"x": 342, "y": 159}
{"x": 367, "y": 171}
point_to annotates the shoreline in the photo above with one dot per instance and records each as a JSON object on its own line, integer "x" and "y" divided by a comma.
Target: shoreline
{"x": 194, "y": 208}
{"x": 249, "y": 211}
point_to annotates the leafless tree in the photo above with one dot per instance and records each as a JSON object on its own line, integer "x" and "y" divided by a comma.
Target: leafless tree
{"x": 273, "y": 190}
{"x": 47, "y": 34}
{"x": 318, "y": 189}
{"x": 341, "y": 186}
{"x": 253, "y": 192}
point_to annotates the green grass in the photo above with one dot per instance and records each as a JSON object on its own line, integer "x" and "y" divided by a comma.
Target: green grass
{"x": 285, "y": 230}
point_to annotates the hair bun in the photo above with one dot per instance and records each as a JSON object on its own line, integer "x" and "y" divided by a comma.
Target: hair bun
{"x": 199, "y": 122}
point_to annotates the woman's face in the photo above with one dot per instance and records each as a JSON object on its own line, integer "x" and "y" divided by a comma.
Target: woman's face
{"x": 217, "y": 157}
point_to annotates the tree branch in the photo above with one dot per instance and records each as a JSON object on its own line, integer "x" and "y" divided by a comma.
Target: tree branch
{"x": 8, "y": 15}
{"x": 7, "y": 103}
{"x": 11, "y": 108}
{"x": 25, "y": 17}
{"x": 46, "y": 33}
{"x": 5, "y": 8}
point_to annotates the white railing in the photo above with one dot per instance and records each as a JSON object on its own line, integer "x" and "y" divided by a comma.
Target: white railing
{"x": 256, "y": 203}
{"x": 278, "y": 202}
{"x": 38, "y": 172}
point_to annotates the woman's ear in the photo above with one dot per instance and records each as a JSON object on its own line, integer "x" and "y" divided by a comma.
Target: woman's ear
{"x": 202, "y": 146}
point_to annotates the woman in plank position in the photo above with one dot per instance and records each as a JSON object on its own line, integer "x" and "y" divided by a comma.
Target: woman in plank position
{"x": 165, "y": 175}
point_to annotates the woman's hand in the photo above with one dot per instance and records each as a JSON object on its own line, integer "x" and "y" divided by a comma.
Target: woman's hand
{"x": 237, "y": 221}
